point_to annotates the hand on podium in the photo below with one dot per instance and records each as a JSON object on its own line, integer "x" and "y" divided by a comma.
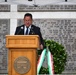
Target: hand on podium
{"x": 41, "y": 47}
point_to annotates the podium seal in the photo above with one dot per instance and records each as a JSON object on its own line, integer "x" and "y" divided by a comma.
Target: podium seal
{"x": 22, "y": 65}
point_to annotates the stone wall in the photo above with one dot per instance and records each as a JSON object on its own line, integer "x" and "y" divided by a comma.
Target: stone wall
{"x": 58, "y": 21}
{"x": 4, "y": 30}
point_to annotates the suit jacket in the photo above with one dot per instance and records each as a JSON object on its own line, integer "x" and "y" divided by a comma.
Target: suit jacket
{"x": 33, "y": 31}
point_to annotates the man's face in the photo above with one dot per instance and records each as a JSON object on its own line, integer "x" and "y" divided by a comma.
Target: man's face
{"x": 27, "y": 21}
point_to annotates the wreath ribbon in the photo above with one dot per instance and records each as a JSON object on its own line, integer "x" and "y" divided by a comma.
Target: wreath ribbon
{"x": 47, "y": 53}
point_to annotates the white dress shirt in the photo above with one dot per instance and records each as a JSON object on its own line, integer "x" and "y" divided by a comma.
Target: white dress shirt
{"x": 25, "y": 28}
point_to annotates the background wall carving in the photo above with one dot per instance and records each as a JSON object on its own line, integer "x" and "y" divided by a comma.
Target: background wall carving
{"x": 47, "y": 8}
{"x": 4, "y": 30}
{"x": 4, "y": 8}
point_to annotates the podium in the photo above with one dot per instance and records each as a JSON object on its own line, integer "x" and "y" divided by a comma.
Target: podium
{"x": 22, "y": 57}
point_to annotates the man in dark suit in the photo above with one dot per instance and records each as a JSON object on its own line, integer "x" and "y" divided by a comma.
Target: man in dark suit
{"x": 29, "y": 29}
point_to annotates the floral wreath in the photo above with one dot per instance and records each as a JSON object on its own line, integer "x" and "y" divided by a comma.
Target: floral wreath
{"x": 59, "y": 57}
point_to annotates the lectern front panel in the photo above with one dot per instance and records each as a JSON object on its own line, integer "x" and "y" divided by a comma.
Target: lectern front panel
{"x": 23, "y": 62}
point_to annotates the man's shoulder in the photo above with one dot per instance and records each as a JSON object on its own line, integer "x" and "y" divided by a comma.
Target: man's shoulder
{"x": 21, "y": 26}
{"x": 36, "y": 27}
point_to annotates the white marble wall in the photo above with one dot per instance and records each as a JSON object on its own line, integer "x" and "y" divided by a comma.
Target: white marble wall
{"x": 71, "y": 0}
{"x": 2, "y": 0}
{"x": 40, "y": 2}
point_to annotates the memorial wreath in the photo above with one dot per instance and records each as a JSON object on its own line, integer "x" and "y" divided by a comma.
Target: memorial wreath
{"x": 59, "y": 57}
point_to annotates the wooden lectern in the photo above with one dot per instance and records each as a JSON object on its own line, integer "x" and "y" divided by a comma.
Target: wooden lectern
{"x": 22, "y": 58}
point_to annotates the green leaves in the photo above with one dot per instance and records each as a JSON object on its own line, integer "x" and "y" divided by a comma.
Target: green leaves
{"x": 44, "y": 70}
{"x": 59, "y": 56}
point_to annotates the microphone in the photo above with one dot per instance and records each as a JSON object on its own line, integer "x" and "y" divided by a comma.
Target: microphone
{"x": 19, "y": 30}
{"x": 32, "y": 31}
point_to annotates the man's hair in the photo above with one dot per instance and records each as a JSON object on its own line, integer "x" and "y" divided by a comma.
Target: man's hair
{"x": 28, "y": 14}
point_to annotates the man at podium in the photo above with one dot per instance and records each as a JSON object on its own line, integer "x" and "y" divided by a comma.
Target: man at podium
{"x": 29, "y": 29}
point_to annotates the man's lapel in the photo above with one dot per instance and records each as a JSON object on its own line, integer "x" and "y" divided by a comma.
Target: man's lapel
{"x": 22, "y": 30}
{"x": 31, "y": 30}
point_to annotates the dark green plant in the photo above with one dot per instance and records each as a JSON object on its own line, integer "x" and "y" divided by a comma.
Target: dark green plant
{"x": 59, "y": 57}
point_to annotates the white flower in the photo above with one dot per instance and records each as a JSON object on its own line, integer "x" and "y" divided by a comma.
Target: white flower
{"x": 21, "y": 27}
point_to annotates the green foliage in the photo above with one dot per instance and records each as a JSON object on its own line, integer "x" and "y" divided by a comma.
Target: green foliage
{"x": 59, "y": 57}
{"x": 44, "y": 70}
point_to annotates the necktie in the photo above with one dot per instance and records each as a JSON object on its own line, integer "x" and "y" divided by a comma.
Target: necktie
{"x": 27, "y": 31}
